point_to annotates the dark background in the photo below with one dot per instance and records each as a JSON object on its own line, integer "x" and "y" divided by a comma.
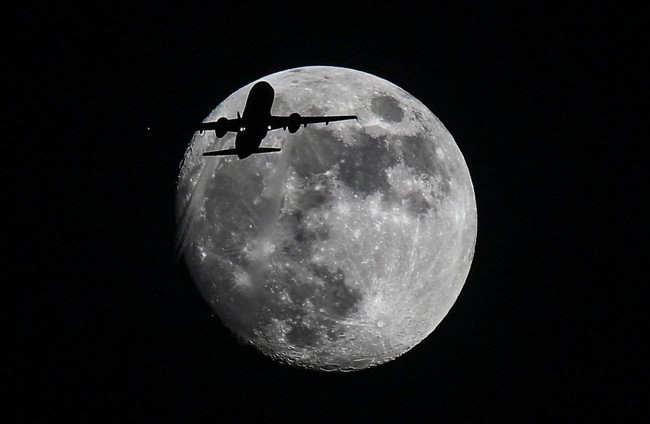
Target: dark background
{"x": 543, "y": 101}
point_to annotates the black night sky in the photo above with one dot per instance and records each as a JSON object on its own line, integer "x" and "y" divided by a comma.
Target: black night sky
{"x": 105, "y": 324}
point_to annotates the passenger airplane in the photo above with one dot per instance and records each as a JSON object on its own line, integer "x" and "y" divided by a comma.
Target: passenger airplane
{"x": 257, "y": 121}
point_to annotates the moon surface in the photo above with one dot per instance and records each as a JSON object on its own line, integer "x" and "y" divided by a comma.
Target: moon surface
{"x": 348, "y": 247}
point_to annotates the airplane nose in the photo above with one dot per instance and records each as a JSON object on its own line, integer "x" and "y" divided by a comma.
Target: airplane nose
{"x": 264, "y": 87}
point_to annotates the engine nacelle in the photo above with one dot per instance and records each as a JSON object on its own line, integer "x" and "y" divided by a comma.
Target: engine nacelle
{"x": 294, "y": 122}
{"x": 222, "y": 127}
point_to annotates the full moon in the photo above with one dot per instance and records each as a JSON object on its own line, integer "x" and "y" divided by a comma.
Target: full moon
{"x": 349, "y": 246}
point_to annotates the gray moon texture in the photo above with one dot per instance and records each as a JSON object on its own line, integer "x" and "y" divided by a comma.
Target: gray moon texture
{"x": 347, "y": 248}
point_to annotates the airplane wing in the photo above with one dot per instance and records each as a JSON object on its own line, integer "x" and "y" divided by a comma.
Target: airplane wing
{"x": 220, "y": 126}
{"x": 295, "y": 121}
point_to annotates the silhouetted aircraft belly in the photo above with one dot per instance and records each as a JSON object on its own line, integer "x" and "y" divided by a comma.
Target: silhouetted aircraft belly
{"x": 257, "y": 121}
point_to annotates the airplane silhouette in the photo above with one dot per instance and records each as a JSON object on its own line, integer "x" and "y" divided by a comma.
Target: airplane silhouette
{"x": 257, "y": 121}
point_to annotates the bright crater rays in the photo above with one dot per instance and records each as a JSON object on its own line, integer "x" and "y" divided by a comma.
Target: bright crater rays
{"x": 348, "y": 247}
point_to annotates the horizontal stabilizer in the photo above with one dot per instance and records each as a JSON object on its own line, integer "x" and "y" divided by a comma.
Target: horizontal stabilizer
{"x": 221, "y": 152}
{"x": 243, "y": 155}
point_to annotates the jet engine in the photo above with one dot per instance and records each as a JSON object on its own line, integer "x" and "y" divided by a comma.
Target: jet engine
{"x": 294, "y": 122}
{"x": 221, "y": 128}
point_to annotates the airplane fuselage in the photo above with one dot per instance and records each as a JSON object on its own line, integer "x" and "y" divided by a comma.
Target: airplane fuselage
{"x": 255, "y": 120}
